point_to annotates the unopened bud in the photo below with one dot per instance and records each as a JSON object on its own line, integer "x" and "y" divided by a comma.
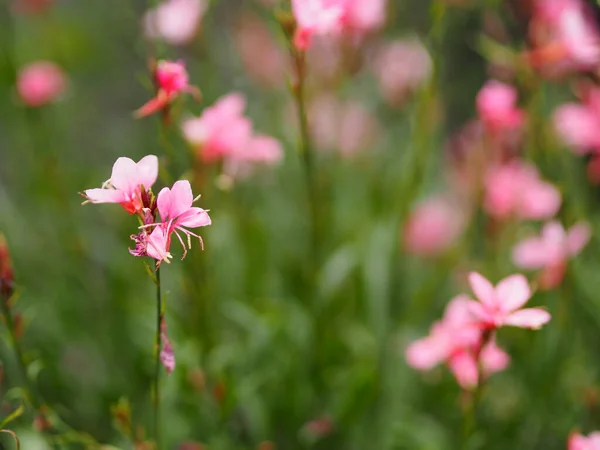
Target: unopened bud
{"x": 6, "y": 271}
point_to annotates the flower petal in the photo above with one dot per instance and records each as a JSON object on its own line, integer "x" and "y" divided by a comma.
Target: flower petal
{"x": 530, "y": 254}
{"x": 147, "y": 171}
{"x": 426, "y": 353}
{"x": 493, "y": 358}
{"x": 105, "y": 196}
{"x": 577, "y": 237}
{"x": 532, "y": 318}
{"x": 464, "y": 368}
{"x": 158, "y": 245}
{"x": 193, "y": 218}
{"x": 124, "y": 175}
{"x": 512, "y": 293}
{"x": 482, "y": 288}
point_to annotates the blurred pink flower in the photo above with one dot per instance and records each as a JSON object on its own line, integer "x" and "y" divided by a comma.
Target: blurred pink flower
{"x": 496, "y": 106}
{"x": 501, "y": 305}
{"x": 465, "y": 367}
{"x": 40, "y": 83}
{"x": 565, "y": 35}
{"x": 174, "y": 21}
{"x": 515, "y": 190}
{"x": 177, "y": 214}
{"x": 128, "y": 183}
{"x": 457, "y": 340}
{"x": 433, "y": 226}
{"x": 580, "y": 442}
{"x": 364, "y": 16}
{"x": 578, "y": 124}
{"x": 551, "y": 251}
{"x": 167, "y": 356}
{"x": 221, "y": 129}
{"x": 316, "y": 17}
{"x": 401, "y": 67}
{"x": 171, "y": 78}
{"x": 32, "y": 6}
{"x": 222, "y": 132}
{"x": 263, "y": 59}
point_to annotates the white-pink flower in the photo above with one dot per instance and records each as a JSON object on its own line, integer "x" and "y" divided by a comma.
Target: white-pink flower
{"x": 174, "y": 21}
{"x": 40, "y": 83}
{"x": 128, "y": 183}
{"x": 496, "y": 105}
{"x": 551, "y": 251}
{"x": 578, "y": 124}
{"x": 500, "y": 305}
{"x": 316, "y": 17}
{"x": 580, "y": 442}
{"x": 515, "y": 190}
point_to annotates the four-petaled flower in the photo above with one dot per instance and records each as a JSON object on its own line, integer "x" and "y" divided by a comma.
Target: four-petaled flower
{"x": 500, "y": 305}
{"x": 128, "y": 184}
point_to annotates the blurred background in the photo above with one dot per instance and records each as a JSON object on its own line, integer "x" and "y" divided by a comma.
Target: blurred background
{"x": 290, "y": 327}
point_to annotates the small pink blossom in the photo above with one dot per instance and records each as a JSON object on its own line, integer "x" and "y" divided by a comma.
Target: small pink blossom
{"x": 363, "y": 16}
{"x": 128, "y": 184}
{"x": 501, "y": 305}
{"x": 580, "y": 442}
{"x": 578, "y": 124}
{"x": 167, "y": 356}
{"x": 515, "y": 190}
{"x": 175, "y": 21}
{"x": 40, "y": 83}
{"x": 433, "y": 226}
{"x": 172, "y": 79}
{"x": 565, "y": 35}
{"x": 496, "y": 105}
{"x": 316, "y": 17}
{"x": 465, "y": 367}
{"x": 551, "y": 251}
{"x": 401, "y": 67}
{"x": 457, "y": 341}
{"x": 223, "y": 133}
{"x": 177, "y": 215}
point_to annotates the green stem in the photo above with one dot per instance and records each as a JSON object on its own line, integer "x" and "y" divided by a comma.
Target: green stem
{"x": 310, "y": 171}
{"x": 157, "y": 346}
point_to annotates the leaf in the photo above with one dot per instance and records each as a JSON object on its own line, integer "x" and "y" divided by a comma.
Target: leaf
{"x": 12, "y": 416}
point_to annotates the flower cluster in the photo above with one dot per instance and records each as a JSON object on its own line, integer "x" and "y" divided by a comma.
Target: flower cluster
{"x": 130, "y": 186}
{"x": 464, "y": 339}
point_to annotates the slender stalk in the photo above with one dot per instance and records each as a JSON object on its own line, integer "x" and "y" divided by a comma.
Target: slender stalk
{"x": 157, "y": 346}
{"x": 310, "y": 170}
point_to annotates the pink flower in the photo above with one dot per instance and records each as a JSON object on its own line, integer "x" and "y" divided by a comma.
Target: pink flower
{"x": 465, "y": 367}
{"x": 566, "y": 36}
{"x": 224, "y": 133}
{"x": 176, "y": 214}
{"x": 174, "y": 21}
{"x": 433, "y": 226}
{"x": 580, "y": 442}
{"x": 167, "y": 356}
{"x": 578, "y": 124}
{"x": 515, "y": 190}
{"x": 128, "y": 184}
{"x": 401, "y": 67}
{"x": 171, "y": 79}
{"x": 364, "y": 16}
{"x": 551, "y": 251}
{"x": 221, "y": 130}
{"x": 316, "y": 17}
{"x": 457, "y": 341}
{"x": 496, "y": 105}
{"x": 500, "y": 305}
{"x": 40, "y": 83}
